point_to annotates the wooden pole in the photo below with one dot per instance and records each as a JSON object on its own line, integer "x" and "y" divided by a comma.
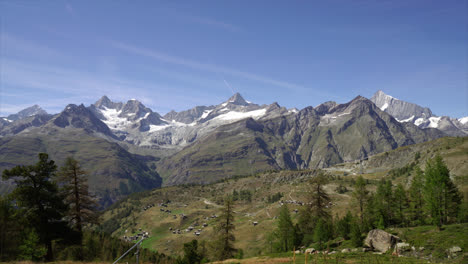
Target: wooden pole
{"x": 294, "y": 255}
{"x": 305, "y": 258}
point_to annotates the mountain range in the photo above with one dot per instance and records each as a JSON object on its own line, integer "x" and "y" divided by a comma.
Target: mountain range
{"x": 127, "y": 147}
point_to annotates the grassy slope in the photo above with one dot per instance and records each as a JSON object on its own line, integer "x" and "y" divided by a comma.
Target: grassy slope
{"x": 109, "y": 164}
{"x": 198, "y": 202}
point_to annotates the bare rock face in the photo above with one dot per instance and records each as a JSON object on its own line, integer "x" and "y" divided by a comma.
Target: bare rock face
{"x": 380, "y": 240}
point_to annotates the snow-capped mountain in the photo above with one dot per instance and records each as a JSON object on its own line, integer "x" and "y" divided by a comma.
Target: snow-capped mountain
{"x": 30, "y": 111}
{"x": 139, "y": 125}
{"x": 33, "y": 116}
{"x": 421, "y": 116}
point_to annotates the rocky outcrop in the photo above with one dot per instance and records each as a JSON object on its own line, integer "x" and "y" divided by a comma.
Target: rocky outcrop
{"x": 380, "y": 240}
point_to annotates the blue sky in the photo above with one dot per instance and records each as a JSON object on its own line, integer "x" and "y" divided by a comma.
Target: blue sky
{"x": 179, "y": 54}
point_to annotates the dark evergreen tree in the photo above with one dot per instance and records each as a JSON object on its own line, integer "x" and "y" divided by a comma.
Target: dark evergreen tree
{"x": 191, "y": 255}
{"x": 343, "y": 226}
{"x": 441, "y": 195}
{"x": 285, "y": 232}
{"x": 82, "y": 206}
{"x": 11, "y": 226}
{"x": 38, "y": 197}
{"x": 319, "y": 200}
{"x": 401, "y": 204}
{"x": 224, "y": 247}
{"x": 360, "y": 195}
{"x": 416, "y": 197}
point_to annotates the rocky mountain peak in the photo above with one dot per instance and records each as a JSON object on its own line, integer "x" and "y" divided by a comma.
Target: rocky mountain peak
{"x": 399, "y": 109}
{"x": 104, "y": 101}
{"x": 237, "y": 99}
{"x": 30, "y": 111}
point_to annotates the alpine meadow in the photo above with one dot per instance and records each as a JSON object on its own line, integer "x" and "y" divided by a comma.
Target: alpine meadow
{"x": 231, "y": 132}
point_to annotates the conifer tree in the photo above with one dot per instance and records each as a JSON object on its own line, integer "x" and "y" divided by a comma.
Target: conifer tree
{"x": 360, "y": 195}
{"x": 318, "y": 198}
{"x": 224, "y": 247}
{"x": 401, "y": 203}
{"x": 416, "y": 197}
{"x": 82, "y": 206}
{"x": 441, "y": 195}
{"x": 38, "y": 197}
{"x": 285, "y": 230}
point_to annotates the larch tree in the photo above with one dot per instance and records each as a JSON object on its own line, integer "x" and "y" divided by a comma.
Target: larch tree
{"x": 74, "y": 187}
{"x": 441, "y": 195}
{"x": 285, "y": 233}
{"x": 416, "y": 197}
{"x": 38, "y": 197}
{"x": 319, "y": 200}
{"x": 361, "y": 195}
{"x": 224, "y": 247}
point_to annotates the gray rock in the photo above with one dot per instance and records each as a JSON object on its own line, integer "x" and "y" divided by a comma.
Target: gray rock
{"x": 455, "y": 249}
{"x": 380, "y": 240}
{"x": 345, "y": 250}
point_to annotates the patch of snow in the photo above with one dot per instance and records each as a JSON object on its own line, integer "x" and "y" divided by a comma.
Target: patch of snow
{"x": 248, "y": 102}
{"x": 405, "y": 120}
{"x": 224, "y": 104}
{"x": 342, "y": 114}
{"x": 205, "y": 113}
{"x": 68, "y": 108}
{"x": 434, "y": 121}
{"x": 224, "y": 109}
{"x": 8, "y": 120}
{"x": 294, "y": 110}
{"x": 419, "y": 121}
{"x": 154, "y": 128}
{"x": 113, "y": 121}
{"x": 233, "y": 115}
{"x": 463, "y": 120}
{"x": 384, "y": 106}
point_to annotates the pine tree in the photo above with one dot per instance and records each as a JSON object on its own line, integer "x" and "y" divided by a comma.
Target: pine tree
{"x": 82, "y": 205}
{"x": 440, "y": 193}
{"x": 318, "y": 198}
{"x": 343, "y": 226}
{"x": 31, "y": 249}
{"x": 38, "y": 197}
{"x": 360, "y": 195}
{"x": 285, "y": 230}
{"x": 383, "y": 201}
{"x": 401, "y": 203}
{"x": 321, "y": 233}
{"x": 355, "y": 234}
{"x": 416, "y": 197}
{"x": 306, "y": 223}
{"x": 11, "y": 225}
{"x": 224, "y": 247}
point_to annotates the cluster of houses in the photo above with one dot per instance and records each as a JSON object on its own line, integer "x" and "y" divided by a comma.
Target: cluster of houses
{"x": 141, "y": 234}
{"x": 189, "y": 229}
{"x": 148, "y": 207}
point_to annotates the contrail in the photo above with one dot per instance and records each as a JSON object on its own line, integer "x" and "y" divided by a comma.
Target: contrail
{"x": 229, "y": 86}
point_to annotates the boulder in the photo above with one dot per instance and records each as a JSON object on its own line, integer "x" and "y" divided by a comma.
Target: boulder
{"x": 380, "y": 240}
{"x": 402, "y": 246}
{"x": 345, "y": 250}
{"x": 455, "y": 249}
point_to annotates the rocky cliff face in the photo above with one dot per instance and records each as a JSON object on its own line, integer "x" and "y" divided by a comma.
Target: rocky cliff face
{"x": 311, "y": 138}
{"x": 421, "y": 116}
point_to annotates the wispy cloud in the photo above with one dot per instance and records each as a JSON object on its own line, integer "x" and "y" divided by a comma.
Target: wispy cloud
{"x": 52, "y": 87}
{"x": 206, "y": 66}
{"x": 14, "y": 45}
